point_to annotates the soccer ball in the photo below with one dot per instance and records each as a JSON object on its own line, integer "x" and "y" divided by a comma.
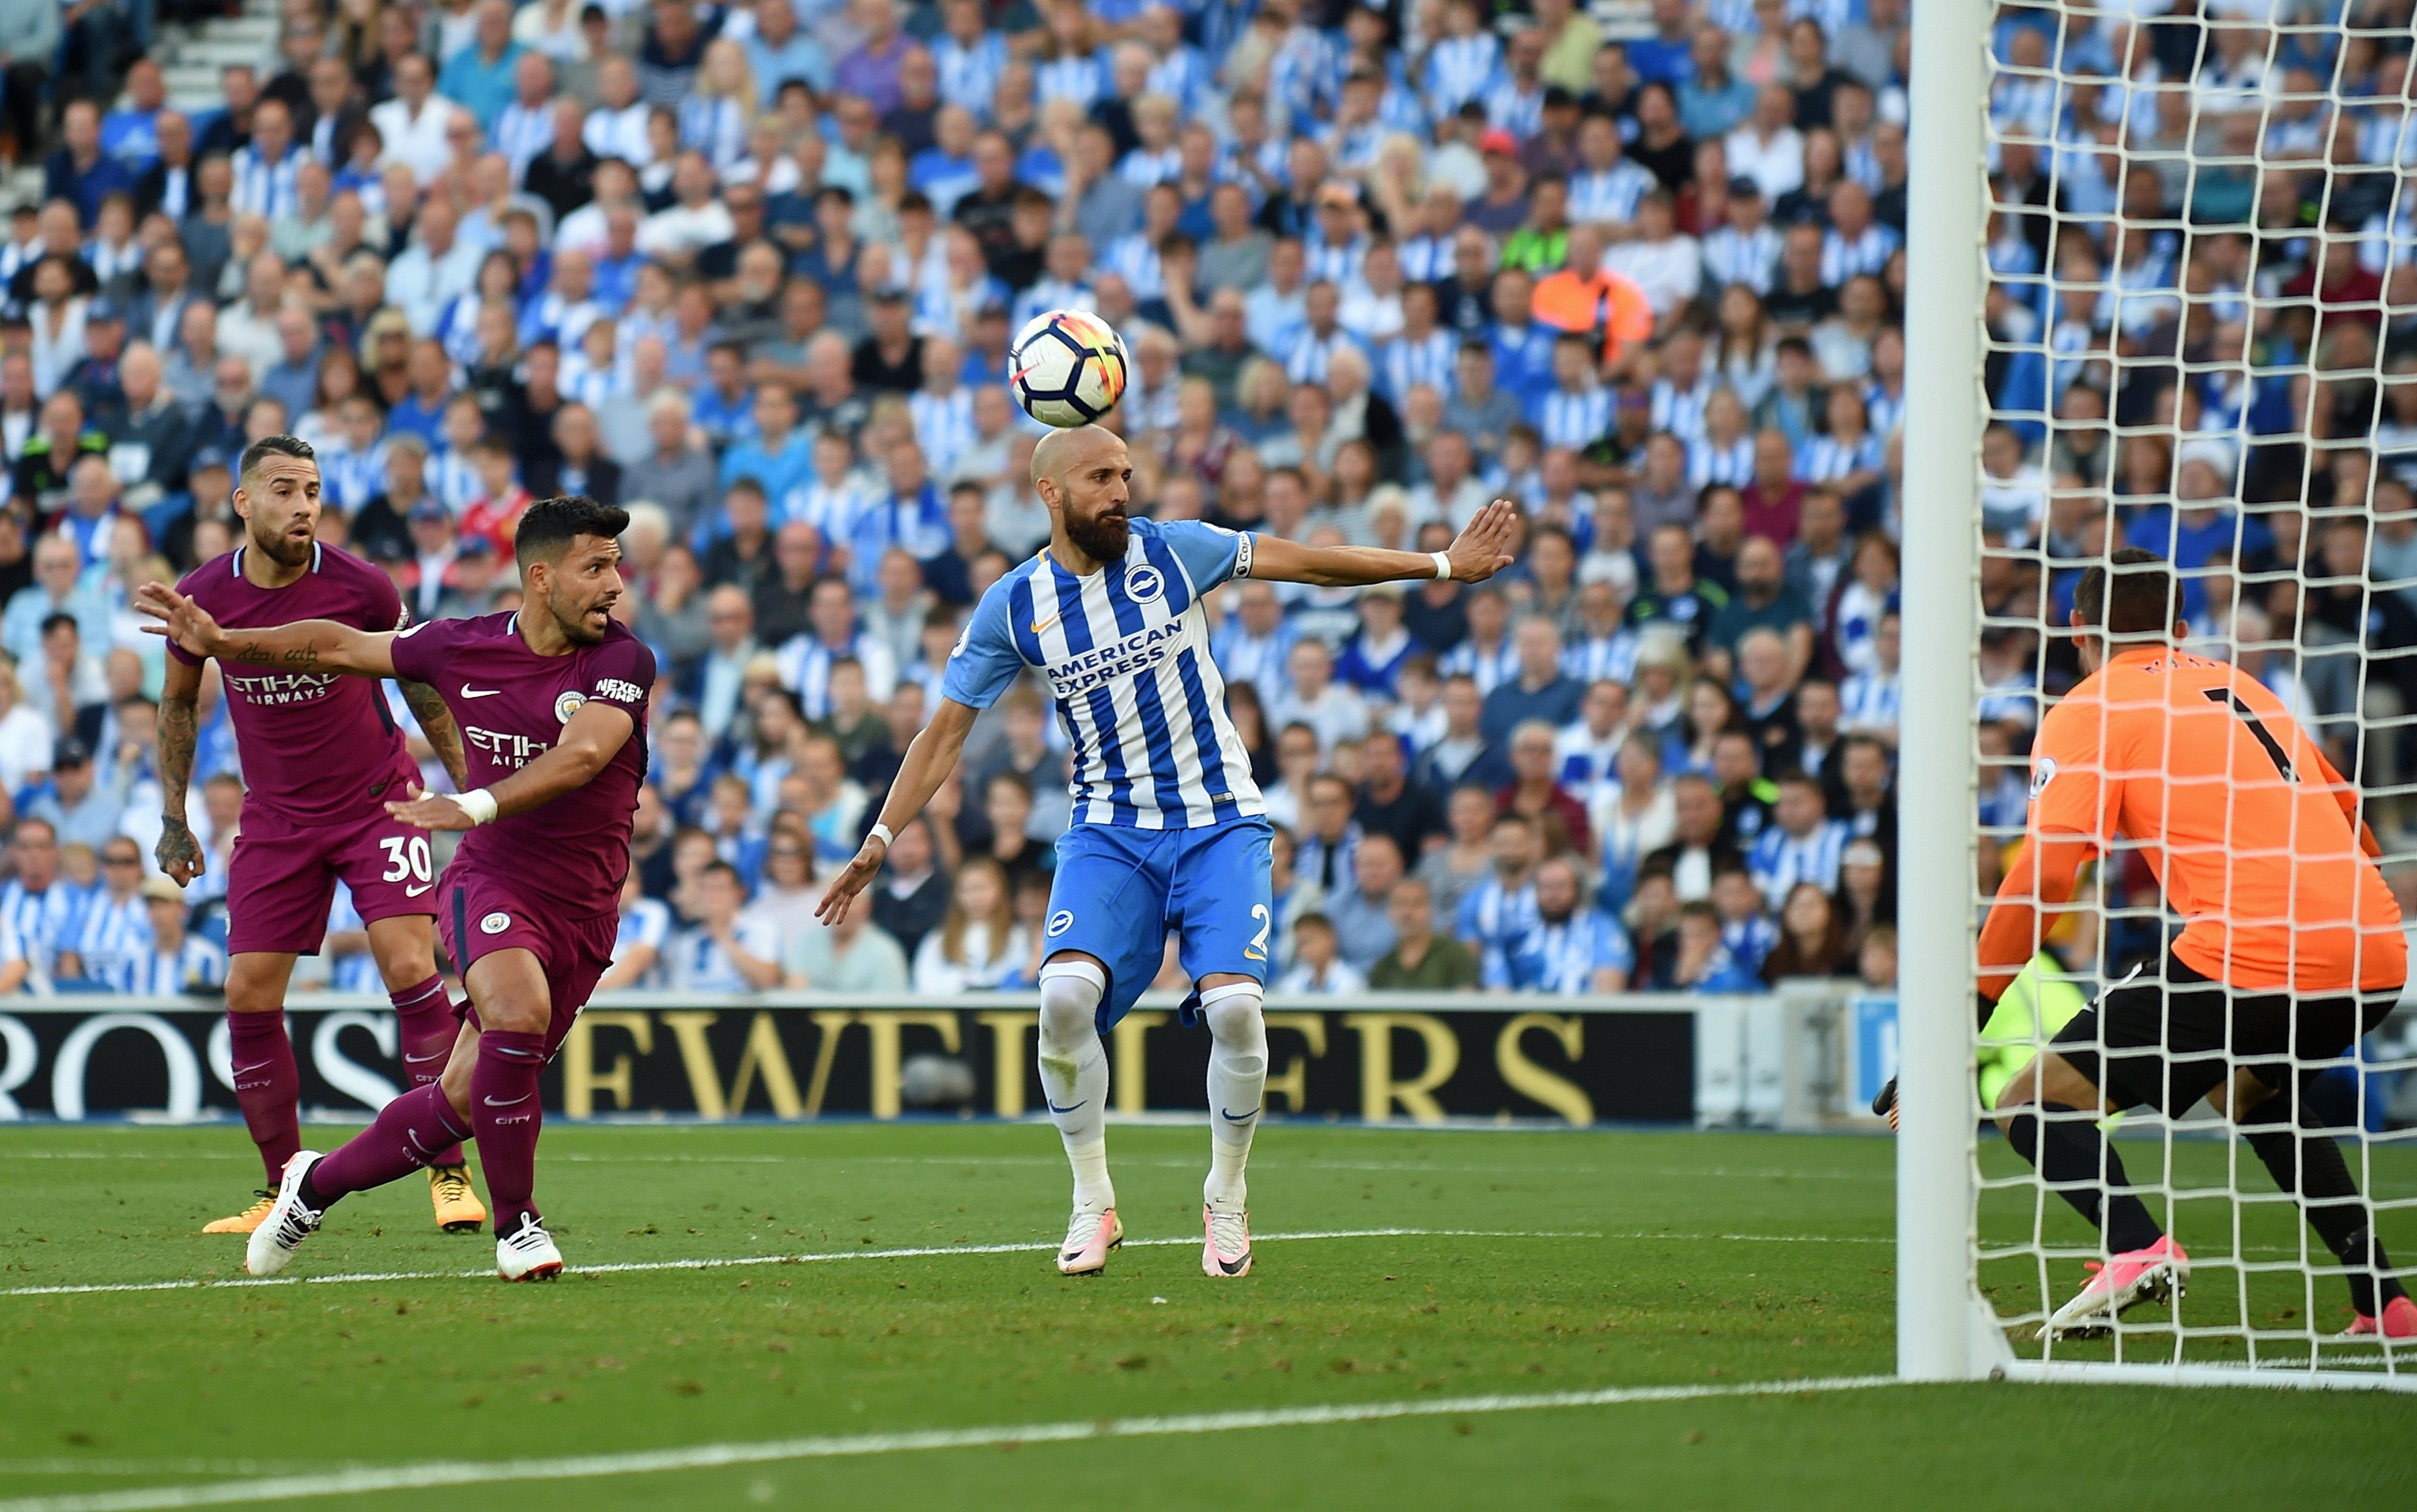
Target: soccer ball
{"x": 1069, "y": 367}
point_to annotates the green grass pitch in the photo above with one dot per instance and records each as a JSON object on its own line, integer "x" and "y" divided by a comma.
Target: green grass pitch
{"x": 1531, "y": 1262}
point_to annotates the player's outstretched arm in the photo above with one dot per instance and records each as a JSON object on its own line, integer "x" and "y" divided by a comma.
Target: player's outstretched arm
{"x": 592, "y": 738}
{"x": 929, "y": 756}
{"x": 1481, "y": 551}
{"x": 306, "y": 645}
{"x": 178, "y": 853}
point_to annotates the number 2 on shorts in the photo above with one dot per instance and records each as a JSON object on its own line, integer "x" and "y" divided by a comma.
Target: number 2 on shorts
{"x": 1257, "y": 948}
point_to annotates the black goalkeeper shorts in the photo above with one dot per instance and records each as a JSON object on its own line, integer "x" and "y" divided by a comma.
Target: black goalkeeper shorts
{"x": 2170, "y": 1039}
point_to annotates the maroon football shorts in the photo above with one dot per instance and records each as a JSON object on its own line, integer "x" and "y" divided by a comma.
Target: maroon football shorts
{"x": 281, "y": 879}
{"x": 483, "y": 914}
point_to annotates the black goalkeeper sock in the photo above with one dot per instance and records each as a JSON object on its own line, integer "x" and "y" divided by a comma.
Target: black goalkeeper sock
{"x": 2071, "y": 1150}
{"x": 2309, "y": 1166}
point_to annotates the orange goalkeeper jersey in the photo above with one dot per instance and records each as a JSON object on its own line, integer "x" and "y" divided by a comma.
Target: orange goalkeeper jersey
{"x": 2243, "y": 819}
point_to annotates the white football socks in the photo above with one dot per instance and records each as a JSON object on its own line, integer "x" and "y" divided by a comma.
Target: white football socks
{"x": 1074, "y": 1074}
{"x": 1237, "y": 1080}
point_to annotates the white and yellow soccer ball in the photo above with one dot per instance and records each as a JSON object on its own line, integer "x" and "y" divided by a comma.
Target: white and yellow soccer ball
{"x": 1067, "y": 368}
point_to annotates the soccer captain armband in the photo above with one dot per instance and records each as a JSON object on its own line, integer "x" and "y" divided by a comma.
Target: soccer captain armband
{"x": 1242, "y": 553}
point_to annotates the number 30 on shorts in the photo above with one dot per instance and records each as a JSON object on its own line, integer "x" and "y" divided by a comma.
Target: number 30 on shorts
{"x": 406, "y": 856}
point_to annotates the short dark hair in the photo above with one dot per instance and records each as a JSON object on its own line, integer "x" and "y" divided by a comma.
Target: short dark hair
{"x": 2132, "y": 593}
{"x": 258, "y": 453}
{"x": 549, "y": 527}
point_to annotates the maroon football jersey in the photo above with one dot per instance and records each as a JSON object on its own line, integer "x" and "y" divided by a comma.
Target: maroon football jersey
{"x": 512, "y": 704}
{"x": 316, "y": 746}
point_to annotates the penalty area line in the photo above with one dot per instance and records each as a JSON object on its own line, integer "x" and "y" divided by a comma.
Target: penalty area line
{"x": 712, "y": 1456}
{"x": 912, "y": 1252}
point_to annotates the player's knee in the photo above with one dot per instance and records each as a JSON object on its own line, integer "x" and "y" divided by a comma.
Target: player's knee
{"x": 255, "y": 985}
{"x": 1069, "y": 1003}
{"x": 515, "y": 1014}
{"x": 405, "y": 956}
{"x": 1236, "y": 1019}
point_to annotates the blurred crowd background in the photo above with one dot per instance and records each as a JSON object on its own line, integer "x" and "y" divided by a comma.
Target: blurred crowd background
{"x": 752, "y": 271}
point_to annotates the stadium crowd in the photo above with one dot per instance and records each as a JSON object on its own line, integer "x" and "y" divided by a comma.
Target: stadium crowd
{"x": 753, "y": 271}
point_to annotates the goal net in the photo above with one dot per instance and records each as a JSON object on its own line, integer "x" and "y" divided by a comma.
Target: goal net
{"x": 2189, "y": 233}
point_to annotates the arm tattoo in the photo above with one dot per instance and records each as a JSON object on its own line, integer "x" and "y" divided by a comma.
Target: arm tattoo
{"x": 265, "y": 653}
{"x": 177, "y": 721}
{"x": 176, "y": 758}
{"x": 436, "y": 723}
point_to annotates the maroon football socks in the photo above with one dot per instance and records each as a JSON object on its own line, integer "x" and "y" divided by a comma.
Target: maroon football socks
{"x": 428, "y": 1025}
{"x": 267, "y": 1087}
{"x": 505, "y": 1112}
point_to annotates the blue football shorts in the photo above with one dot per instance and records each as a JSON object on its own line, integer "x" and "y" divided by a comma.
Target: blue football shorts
{"x": 1118, "y": 890}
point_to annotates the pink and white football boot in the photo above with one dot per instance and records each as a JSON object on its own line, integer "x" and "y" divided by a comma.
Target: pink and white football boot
{"x": 2120, "y": 1282}
{"x": 1088, "y": 1239}
{"x": 1225, "y": 1252}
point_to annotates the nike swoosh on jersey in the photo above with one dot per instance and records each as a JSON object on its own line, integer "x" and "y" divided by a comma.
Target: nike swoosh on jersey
{"x": 1041, "y": 625}
{"x": 467, "y": 691}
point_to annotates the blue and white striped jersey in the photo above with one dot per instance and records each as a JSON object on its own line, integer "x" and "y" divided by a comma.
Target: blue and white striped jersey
{"x": 1337, "y": 266}
{"x": 1842, "y": 258}
{"x": 944, "y": 428}
{"x": 1125, "y": 651}
{"x": 1870, "y": 701}
{"x": 1609, "y": 194}
{"x": 1460, "y": 69}
{"x": 263, "y": 188}
{"x": 1710, "y": 462}
{"x": 1078, "y": 78}
{"x": 1136, "y": 260}
{"x": 1406, "y": 362}
{"x": 1492, "y": 916}
{"x": 1749, "y": 940}
{"x": 1560, "y": 958}
{"x": 1781, "y": 860}
{"x": 115, "y": 936}
{"x": 1312, "y": 354}
{"x": 524, "y": 134}
{"x": 1827, "y": 459}
{"x": 969, "y": 74}
{"x": 195, "y": 966}
{"x": 1575, "y": 420}
{"x": 1596, "y": 657}
{"x": 643, "y": 922}
{"x": 1734, "y": 256}
{"x": 45, "y": 922}
{"x": 353, "y": 479}
{"x": 1491, "y": 669}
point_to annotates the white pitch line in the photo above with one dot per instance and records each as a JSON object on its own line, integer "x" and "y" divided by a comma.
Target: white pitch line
{"x": 916, "y": 1253}
{"x": 710, "y": 1455}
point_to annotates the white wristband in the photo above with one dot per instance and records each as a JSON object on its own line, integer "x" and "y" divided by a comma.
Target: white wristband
{"x": 881, "y": 832}
{"x": 1443, "y": 565}
{"x": 479, "y": 804}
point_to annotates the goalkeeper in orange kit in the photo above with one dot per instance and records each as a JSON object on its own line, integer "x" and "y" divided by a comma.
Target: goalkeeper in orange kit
{"x": 2291, "y": 949}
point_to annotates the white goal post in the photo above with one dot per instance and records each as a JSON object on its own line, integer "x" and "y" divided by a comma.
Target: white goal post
{"x": 1971, "y": 1287}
